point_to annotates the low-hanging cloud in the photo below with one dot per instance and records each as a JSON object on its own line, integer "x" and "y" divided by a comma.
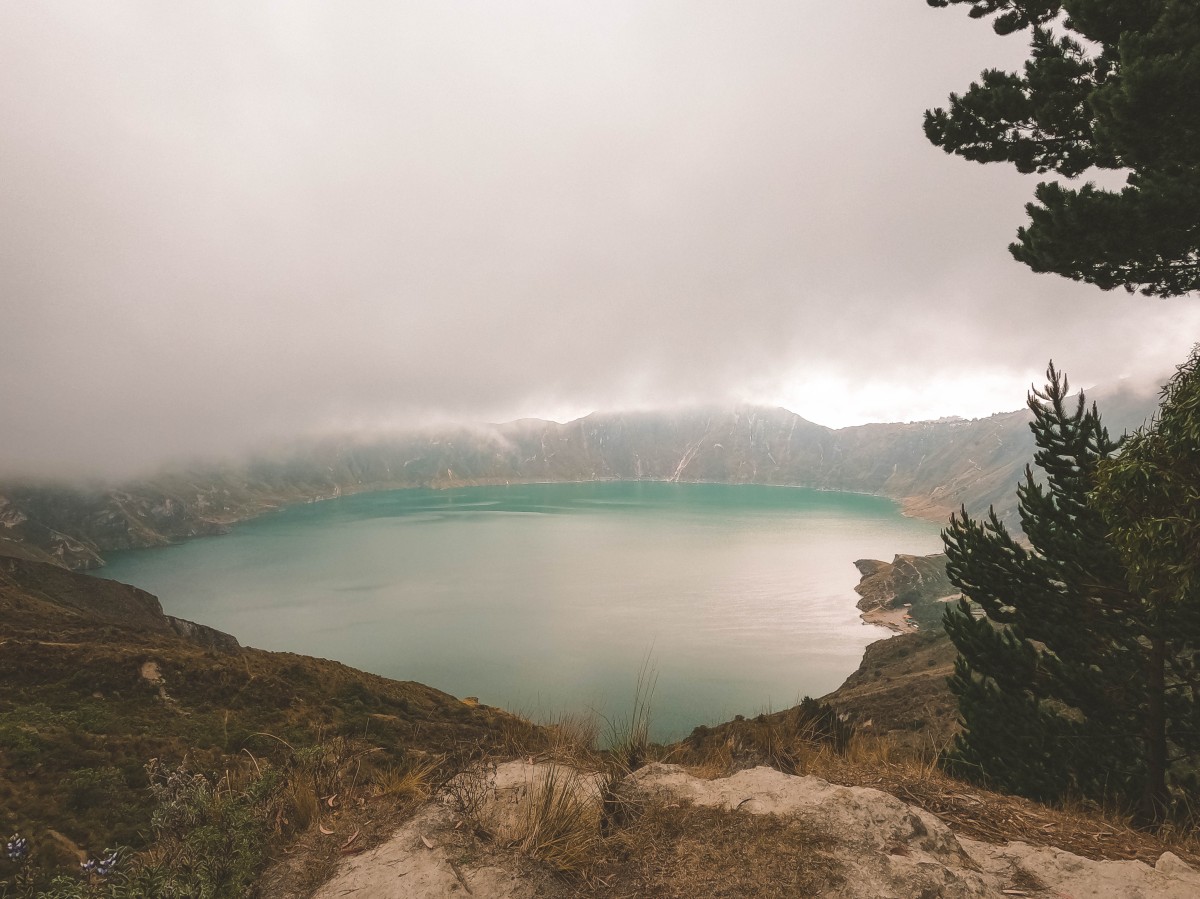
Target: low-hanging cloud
{"x": 223, "y": 224}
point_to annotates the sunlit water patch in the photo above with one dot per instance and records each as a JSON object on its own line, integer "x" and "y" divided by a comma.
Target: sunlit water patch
{"x": 547, "y": 598}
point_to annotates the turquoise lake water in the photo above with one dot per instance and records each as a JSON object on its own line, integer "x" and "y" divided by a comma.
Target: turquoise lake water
{"x": 547, "y": 598}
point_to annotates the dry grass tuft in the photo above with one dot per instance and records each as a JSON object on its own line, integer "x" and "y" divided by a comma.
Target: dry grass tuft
{"x": 683, "y": 852}
{"x": 716, "y": 760}
{"x": 793, "y": 742}
{"x": 574, "y": 737}
{"x": 301, "y": 805}
{"x": 629, "y": 738}
{"x": 412, "y": 781}
{"x": 560, "y": 823}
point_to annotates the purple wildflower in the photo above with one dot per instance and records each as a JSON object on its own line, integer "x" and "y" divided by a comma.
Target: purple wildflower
{"x": 17, "y": 847}
{"x": 101, "y": 867}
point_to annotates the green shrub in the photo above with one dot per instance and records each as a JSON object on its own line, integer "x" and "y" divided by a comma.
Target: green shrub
{"x": 89, "y": 788}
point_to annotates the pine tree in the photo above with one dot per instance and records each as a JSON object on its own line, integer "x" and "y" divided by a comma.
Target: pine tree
{"x": 1047, "y": 680}
{"x": 1087, "y": 657}
{"x": 1109, "y": 84}
{"x": 1150, "y": 495}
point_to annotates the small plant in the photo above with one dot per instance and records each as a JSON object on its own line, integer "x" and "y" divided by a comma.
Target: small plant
{"x": 470, "y": 789}
{"x": 210, "y": 835}
{"x": 560, "y": 823}
{"x": 413, "y": 780}
{"x": 95, "y": 869}
{"x": 16, "y": 851}
{"x": 98, "y": 878}
{"x": 629, "y": 739}
{"x": 16, "y": 848}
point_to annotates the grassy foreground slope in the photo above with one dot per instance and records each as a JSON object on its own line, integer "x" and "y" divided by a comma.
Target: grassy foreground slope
{"x": 98, "y": 682}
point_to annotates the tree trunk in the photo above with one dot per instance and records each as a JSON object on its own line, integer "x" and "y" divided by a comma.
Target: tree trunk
{"x": 1155, "y": 798}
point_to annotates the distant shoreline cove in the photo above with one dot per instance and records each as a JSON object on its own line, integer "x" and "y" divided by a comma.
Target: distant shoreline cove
{"x": 909, "y": 507}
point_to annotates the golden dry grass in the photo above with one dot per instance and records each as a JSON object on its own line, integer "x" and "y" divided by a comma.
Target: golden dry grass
{"x": 415, "y": 779}
{"x": 981, "y": 814}
{"x": 654, "y": 849}
{"x": 684, "y": 852}
{"x": 559, "y": 825}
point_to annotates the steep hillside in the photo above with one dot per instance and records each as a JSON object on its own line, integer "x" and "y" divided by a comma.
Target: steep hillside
{"x": 98, "y": 682}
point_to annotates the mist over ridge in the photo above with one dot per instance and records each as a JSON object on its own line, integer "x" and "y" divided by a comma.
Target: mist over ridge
{"x": 931, "y": 468}
{"x": 1127, "y": 403}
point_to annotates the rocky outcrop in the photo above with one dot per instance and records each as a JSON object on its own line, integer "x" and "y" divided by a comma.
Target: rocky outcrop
{"x": 24, "y": 534}
{"x": 891, "y": 849}
{"x": 871, "y": 846}
{"x": 202, "y": 635}
{"x": 73, "y": 526}
{"x": 37, "y": 592}
{"x": 906, "y": 591}
{"x": 35, "y": 596}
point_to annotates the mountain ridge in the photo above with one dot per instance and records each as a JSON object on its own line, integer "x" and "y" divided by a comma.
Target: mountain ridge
{"x": 73, "y": 526}
{"x": 931, "y": 468}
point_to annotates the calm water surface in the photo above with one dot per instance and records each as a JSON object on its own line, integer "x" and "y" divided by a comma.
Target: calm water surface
{"x": 547, "y": 598}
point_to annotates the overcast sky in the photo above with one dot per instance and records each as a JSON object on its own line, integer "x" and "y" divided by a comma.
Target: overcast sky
{"x": 223, "y": 223}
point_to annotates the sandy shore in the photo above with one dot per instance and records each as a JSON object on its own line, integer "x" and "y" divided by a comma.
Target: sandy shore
{"x": 893, "y": 619}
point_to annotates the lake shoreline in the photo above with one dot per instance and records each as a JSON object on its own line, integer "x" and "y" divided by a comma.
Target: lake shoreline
{"x": 735, "y": 572}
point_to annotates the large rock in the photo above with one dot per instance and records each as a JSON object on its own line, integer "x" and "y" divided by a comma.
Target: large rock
{"x": 424, "y": 859}
{"x": 888, "y": 850}
{"x": 881, "y": 847}
{"x": 892, "y": 850}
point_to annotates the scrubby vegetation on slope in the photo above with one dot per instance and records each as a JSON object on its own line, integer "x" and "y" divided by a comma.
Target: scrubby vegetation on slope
{"x": 99, "y": 685}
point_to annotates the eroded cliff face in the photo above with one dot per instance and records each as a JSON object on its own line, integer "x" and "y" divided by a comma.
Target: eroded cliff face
{"x": 71, "y": 527}
{"x": 900, "y": 688}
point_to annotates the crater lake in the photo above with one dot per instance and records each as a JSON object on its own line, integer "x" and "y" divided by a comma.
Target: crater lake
{"x": 548, "y": 598}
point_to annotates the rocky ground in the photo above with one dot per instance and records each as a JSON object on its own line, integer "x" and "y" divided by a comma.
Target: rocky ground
{"x": 803, "y": 836}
